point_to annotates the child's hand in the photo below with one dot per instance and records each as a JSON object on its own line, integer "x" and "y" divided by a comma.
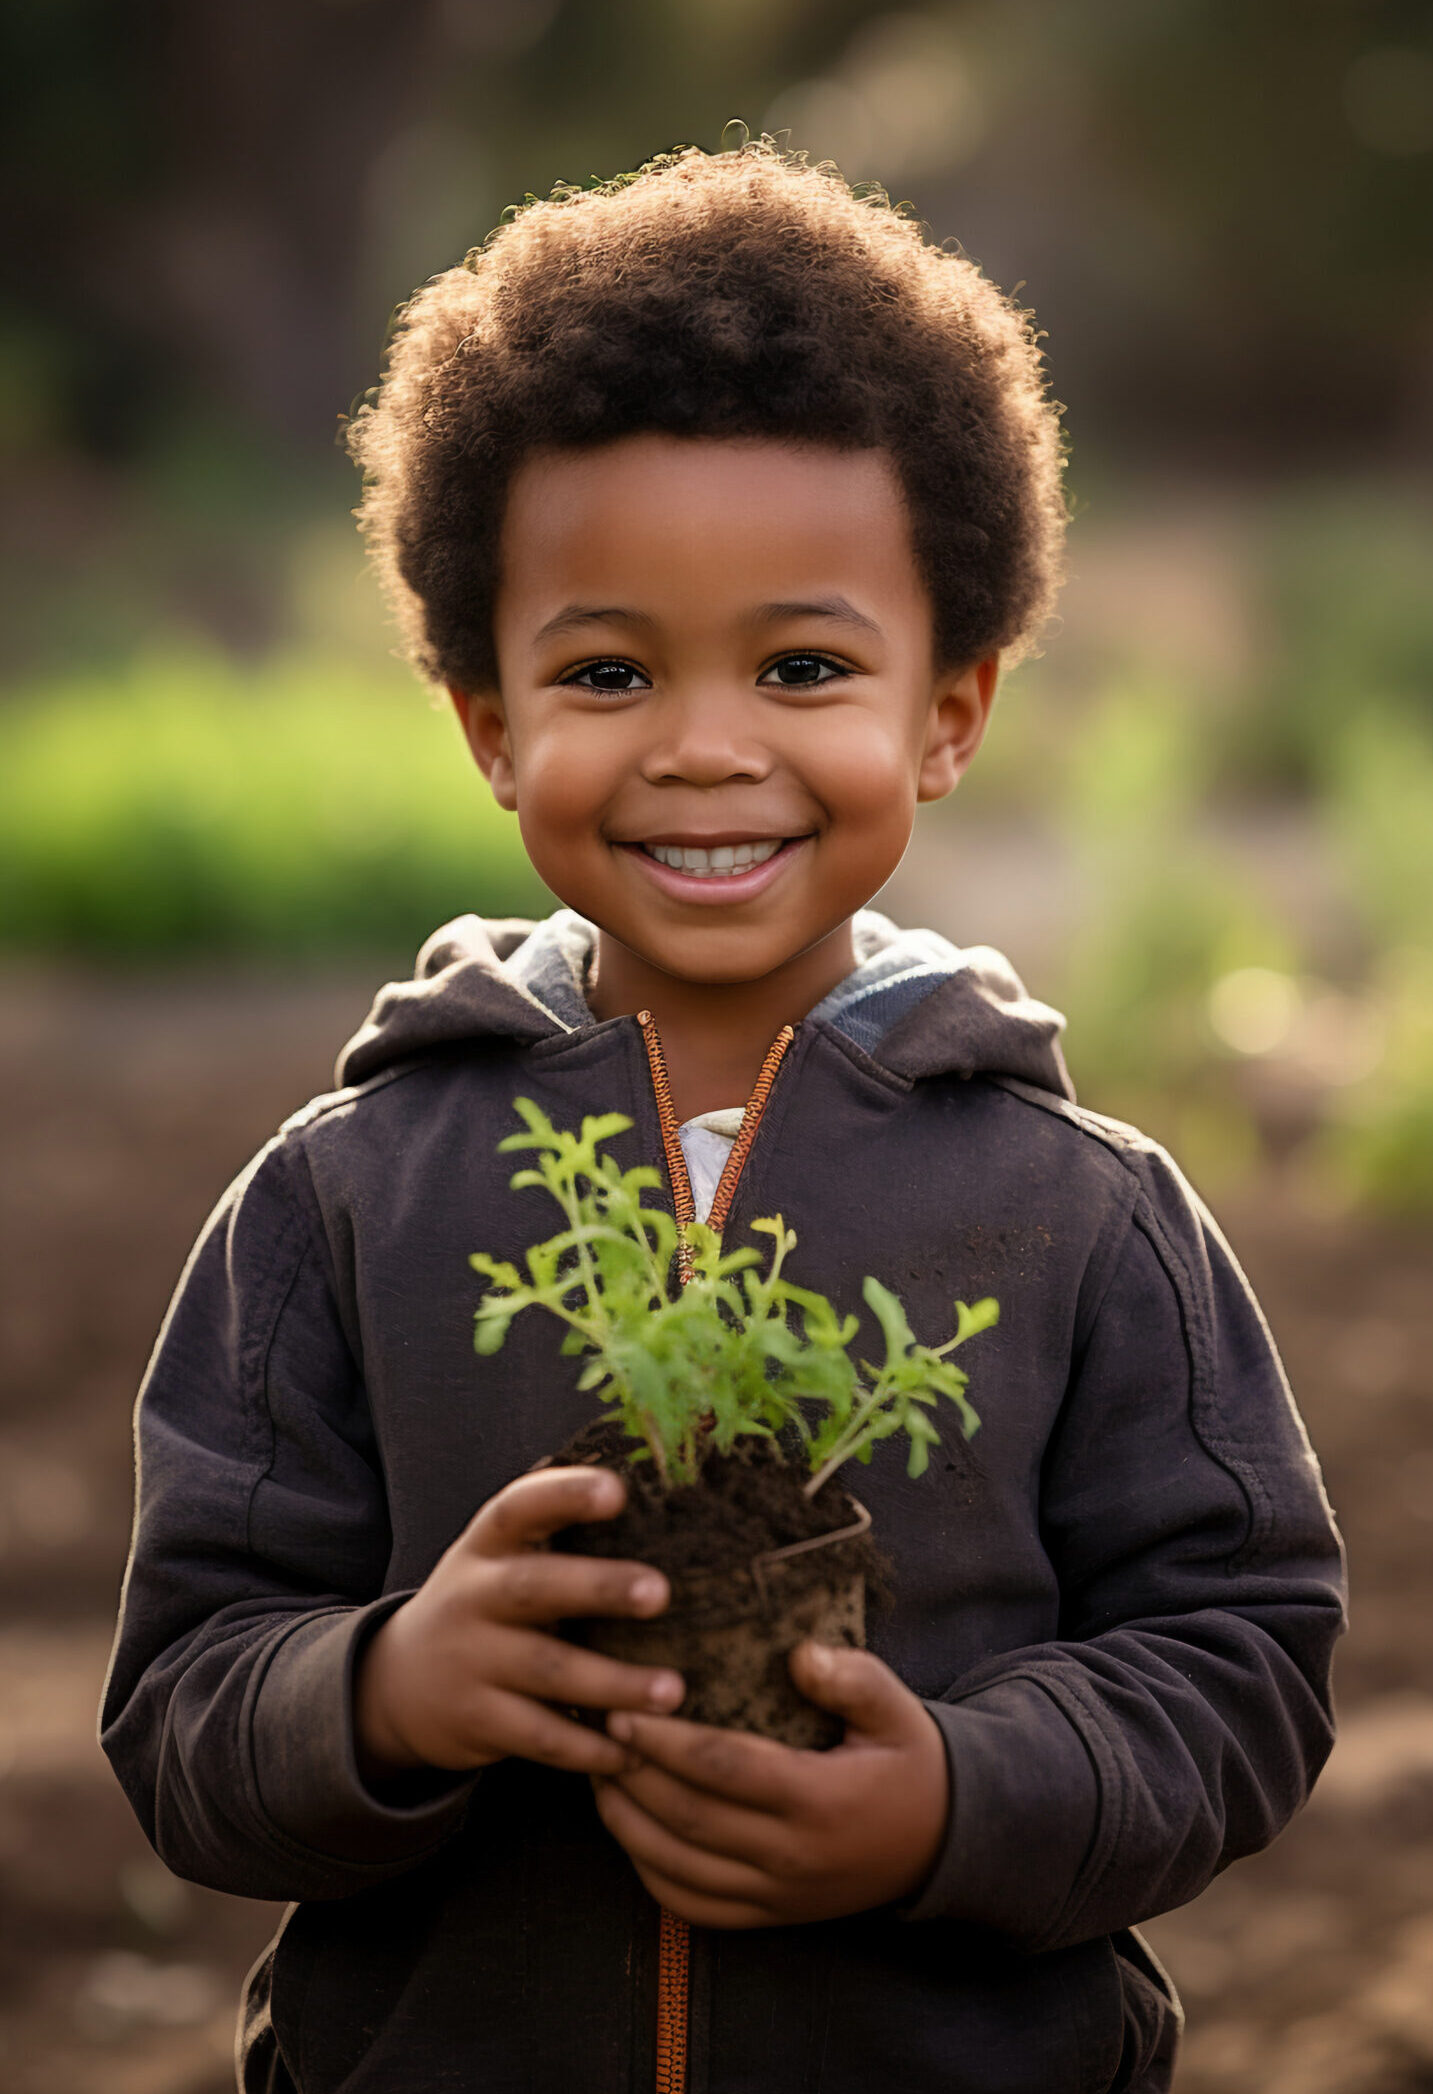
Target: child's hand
{"x": 462, "y": 1673}
{"x": 731, "y": 1830}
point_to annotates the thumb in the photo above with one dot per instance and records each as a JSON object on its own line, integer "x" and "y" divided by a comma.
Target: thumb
{"x": 853, "y": 1684}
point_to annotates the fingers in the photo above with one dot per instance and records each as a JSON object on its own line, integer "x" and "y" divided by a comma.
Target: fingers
{"x": 530, "y": 1510}
{"x": 699, "y": 1819}
{"x": 538, "y": 1587}
{"x": 652, "y": 1847}
{"x": 548, "y": 1669}
{"x": 461, "y": 1674}
{"x": 856, "y": 1685}
{"x": 511, "y": 1724}
{"x": 728, "y": 1763}
{"x": 720, "y": 1914}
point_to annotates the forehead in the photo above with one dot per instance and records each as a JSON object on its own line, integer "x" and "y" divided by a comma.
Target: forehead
{"x": 728, "y": 517}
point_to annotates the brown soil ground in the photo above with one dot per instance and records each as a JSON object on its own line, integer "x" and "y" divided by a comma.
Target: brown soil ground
{"x": 124, "y": 1107}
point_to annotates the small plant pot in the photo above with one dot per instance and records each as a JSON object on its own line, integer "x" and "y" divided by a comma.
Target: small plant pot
{"x": 755, "y": 1567}
{"x": 730, "y": 1634}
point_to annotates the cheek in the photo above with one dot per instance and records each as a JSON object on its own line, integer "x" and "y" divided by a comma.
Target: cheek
{"x": 564, "y": 773}
{"x": 868, "y": 779}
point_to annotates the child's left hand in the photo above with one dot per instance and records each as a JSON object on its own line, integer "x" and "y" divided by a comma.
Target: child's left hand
{"x": 730, "y": 1830}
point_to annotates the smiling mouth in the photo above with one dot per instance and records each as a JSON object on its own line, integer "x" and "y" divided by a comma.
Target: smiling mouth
{"x": 721, "y": 861}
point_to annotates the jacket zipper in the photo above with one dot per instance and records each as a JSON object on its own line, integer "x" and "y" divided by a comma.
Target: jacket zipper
{"x": 684, "y": 1207}
{"x": 673, "y": 1965}
{"x": 674, "y": 1939}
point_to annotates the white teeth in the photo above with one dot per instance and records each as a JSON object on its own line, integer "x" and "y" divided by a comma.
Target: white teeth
{"x": 719, "y": 862}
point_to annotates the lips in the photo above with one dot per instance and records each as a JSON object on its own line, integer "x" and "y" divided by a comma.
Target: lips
{"x": 713, "y": 861}
{"x": 702, "y": 874}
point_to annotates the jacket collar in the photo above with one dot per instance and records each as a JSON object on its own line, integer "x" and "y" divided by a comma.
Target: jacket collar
{"x": 918, "y": 1005}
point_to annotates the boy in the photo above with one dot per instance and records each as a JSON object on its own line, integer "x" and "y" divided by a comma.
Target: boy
{"x": 715, "y": 499}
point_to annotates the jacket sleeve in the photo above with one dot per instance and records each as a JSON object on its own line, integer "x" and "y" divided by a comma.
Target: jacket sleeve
{"x": 1183, "y": 1714}
{"x": 256, "y": 1572}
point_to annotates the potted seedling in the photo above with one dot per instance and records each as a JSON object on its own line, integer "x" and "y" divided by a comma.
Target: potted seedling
{"x": 732, "y": 1401}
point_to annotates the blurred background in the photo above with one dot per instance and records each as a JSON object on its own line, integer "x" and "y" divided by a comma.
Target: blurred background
{"x": 1203, "y": 822}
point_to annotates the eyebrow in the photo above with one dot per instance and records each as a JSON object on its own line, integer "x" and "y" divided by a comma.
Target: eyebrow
{"x": 575, "y": 614}
{"x": 838, "y": 608}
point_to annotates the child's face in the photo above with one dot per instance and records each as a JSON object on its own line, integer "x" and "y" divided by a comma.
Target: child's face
{"x": 723, "y": 649}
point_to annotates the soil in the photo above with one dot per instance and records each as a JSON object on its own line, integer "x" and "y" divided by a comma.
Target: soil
{"x": 735, "y": 1615}
{"x": 699, "y": 1534}
{"x": 125, "y": 1105}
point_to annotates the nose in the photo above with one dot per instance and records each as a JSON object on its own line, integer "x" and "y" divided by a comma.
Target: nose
{"x": 705, "y": 739}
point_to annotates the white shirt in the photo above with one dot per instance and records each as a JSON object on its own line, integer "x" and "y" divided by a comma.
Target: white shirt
{"x": 706, "y": 1144}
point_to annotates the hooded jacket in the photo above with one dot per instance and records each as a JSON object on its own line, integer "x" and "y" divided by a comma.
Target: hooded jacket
{"x": 1119, "y": 1605}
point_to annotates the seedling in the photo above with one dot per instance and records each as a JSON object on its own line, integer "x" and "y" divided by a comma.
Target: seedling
{"x": 737, "y": 1353}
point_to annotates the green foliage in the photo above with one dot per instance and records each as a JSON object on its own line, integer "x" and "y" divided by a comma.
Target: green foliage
{"x": 1376, "y": 1143}
{"x": 738, "y": 1352}
{"x": 1342, "y": 591}
{"x": 190, "y": 804}
{"x": 1377, "y": 1140}
{"x": 1224, "y": 764}
{"x": 1379, "y": 819}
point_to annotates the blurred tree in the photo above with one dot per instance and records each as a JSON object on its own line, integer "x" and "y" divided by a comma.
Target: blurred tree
{"x": 1281, "y": 146}
{"x": 193, "y": 170}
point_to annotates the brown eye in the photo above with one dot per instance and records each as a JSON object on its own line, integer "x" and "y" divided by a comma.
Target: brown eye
{"x": 810, "y": 670}
{"x": 614, "y": 677}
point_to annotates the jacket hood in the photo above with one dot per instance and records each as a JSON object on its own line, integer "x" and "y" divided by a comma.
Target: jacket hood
{"x": 915, "y": 1003}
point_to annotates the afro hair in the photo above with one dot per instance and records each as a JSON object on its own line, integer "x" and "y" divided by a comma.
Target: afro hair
{"x": 737, "y": 294}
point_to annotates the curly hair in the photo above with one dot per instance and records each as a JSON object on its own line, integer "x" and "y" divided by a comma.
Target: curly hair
{"x": 744, "y": 293}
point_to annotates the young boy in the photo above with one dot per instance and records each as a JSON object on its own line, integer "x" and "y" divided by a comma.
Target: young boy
{"x": 715, "y": 498}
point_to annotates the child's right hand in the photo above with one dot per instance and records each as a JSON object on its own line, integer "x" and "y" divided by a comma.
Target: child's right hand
{"x": 462, "y": 1674}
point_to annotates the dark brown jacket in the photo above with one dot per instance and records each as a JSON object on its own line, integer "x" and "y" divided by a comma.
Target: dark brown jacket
{"x": 1120, "y": 1606}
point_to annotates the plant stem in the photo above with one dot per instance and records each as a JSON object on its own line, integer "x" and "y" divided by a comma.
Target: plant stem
{"x": 572, "y": 1208}
{"x": 654, "y": 1442}
{"x": 846, "y": 1445}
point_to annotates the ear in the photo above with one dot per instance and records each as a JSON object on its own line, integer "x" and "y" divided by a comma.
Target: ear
{"x": 959, "y": 714}
{"x": 486, "y": 729}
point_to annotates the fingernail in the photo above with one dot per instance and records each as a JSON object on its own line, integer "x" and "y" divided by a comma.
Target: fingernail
{"x": 619, "y": 1726}
{"x": 818, "y": 1657}
{"x": 666, "y": 1690}
{"x": 649, "y": 1591}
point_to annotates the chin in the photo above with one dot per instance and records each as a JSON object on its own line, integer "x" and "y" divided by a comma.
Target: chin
{"x": 713, "y": 963}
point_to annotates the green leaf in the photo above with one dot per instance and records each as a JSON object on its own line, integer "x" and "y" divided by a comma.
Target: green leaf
{"x": 891, "y": 1317}
{"x": 602, "y": 1126}
{"x": 489, "y": 1333}
{"x": 969, "y": 1322}
{"x": 497, "y": 1270}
